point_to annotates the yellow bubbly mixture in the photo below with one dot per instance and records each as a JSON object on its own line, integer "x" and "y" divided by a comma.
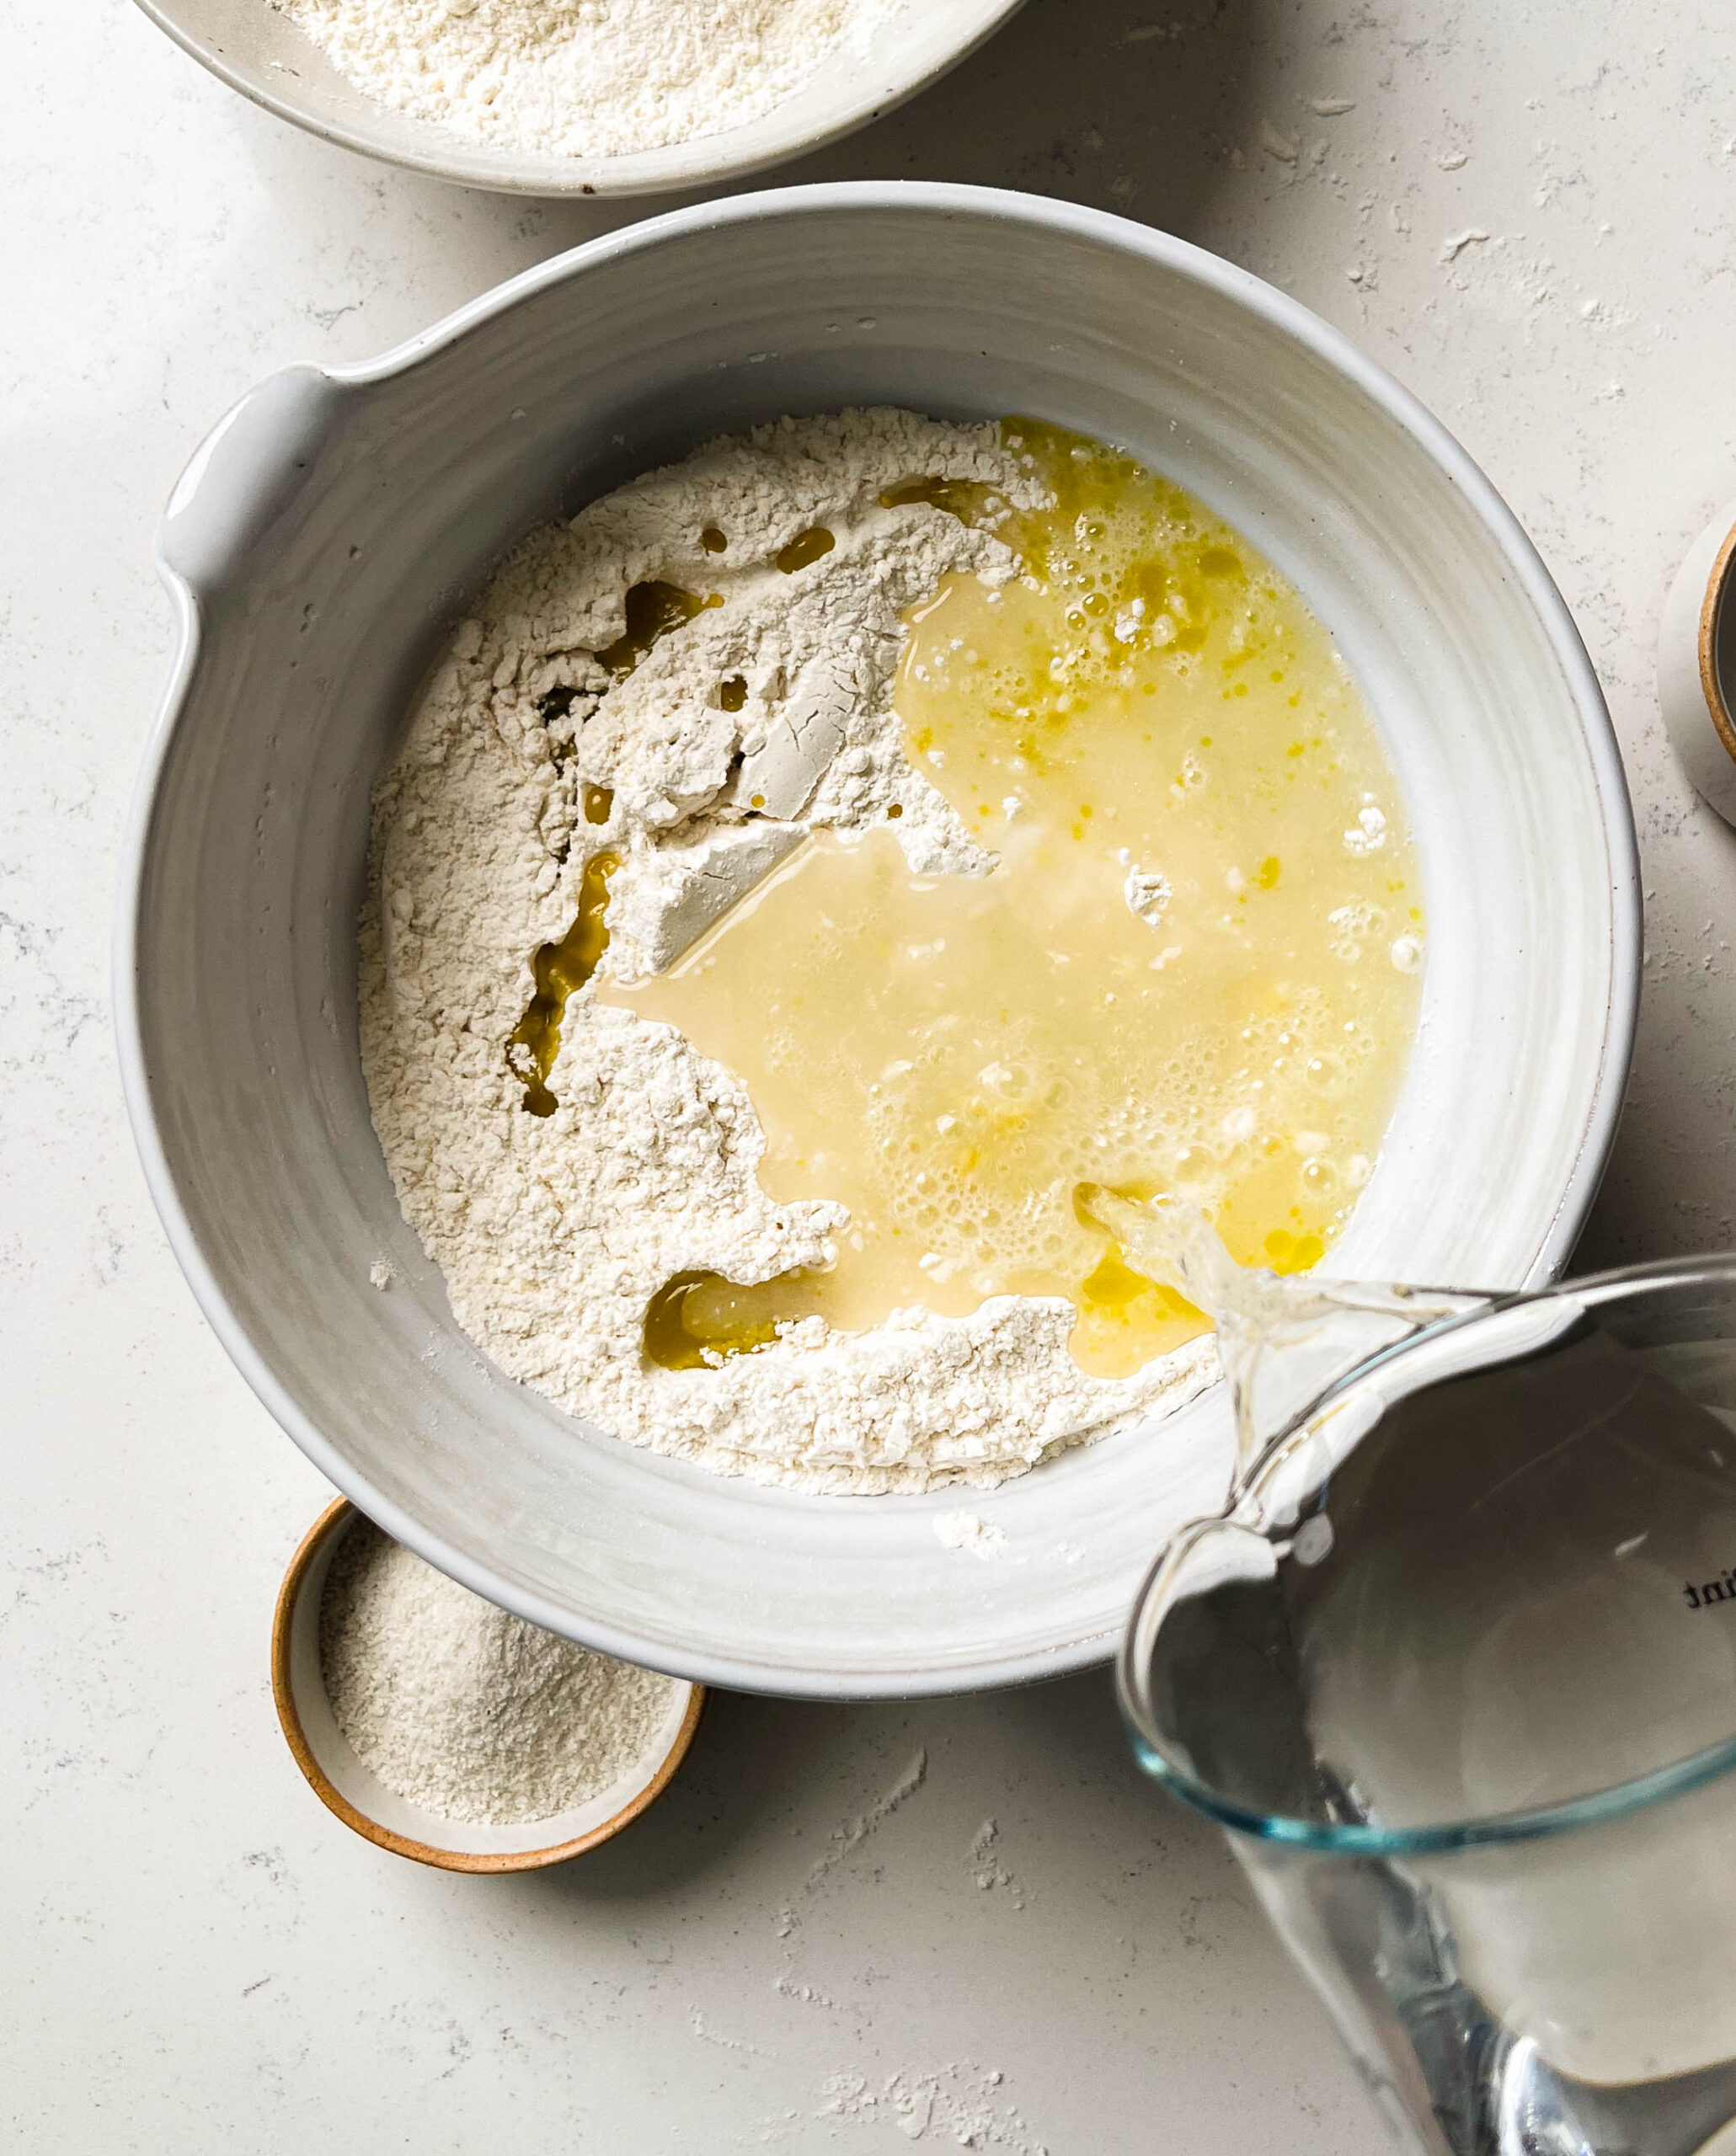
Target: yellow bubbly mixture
{"x": 1194, "y": 967}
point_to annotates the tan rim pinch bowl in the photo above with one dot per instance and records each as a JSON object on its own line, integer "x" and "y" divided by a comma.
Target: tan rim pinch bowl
{"x": 345, "y": 1786}
{"x": 1697, "y": 662}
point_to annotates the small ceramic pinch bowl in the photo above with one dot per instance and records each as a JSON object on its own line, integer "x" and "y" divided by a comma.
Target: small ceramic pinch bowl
{"x": 256, "y": 49}
{"x": 362, "y": 1801}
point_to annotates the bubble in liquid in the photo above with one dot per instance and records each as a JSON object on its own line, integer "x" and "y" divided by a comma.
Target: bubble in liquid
{"x": 1007, "y": 1082}
{"x": 1084, "y": 1127}
{"x": 1406, "y": 954}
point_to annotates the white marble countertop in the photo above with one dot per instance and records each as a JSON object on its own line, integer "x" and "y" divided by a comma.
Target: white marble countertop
{"x": 1527, "y": 214}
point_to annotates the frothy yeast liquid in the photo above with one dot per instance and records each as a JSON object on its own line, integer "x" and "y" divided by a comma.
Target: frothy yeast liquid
{"x": 1194, "y": 967}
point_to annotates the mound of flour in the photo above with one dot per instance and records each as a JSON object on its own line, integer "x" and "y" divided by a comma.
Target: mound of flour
{"x": 464, "y": 1709}
{"x": 553, "y": 1232}
{"x": 594, "y": 79}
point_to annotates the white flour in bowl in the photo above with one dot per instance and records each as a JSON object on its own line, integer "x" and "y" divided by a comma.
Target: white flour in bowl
{"x": 592, "y": 78}
{"x": 554, "y": 1230}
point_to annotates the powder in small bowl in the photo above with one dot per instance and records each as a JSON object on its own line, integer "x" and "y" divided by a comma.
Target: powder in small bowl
{"x": 589, "y": 78}
{"x": 464, "y": 1710}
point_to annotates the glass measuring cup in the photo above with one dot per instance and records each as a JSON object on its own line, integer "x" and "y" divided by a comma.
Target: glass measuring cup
{"x": 1456, "y": 1670}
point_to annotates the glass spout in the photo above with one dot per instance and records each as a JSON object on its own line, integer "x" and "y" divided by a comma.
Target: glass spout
{"x": 1283, "y": 1338}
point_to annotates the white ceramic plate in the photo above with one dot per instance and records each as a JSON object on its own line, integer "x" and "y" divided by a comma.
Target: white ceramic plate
{"x": 260, "y": 52}
{"x": 317, "y": 549}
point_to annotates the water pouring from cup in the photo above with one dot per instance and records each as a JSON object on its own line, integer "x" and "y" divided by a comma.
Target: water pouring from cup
{"x": 1456, "y": 1670}
{"x": 1270, "y": 1325}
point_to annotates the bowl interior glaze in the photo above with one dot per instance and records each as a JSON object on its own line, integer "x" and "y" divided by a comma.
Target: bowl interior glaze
{"x": 351, "y": 1789}
{"x": 321, "y": 545}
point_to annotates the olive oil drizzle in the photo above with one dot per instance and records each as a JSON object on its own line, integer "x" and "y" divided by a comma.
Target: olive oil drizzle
{"x": 653, "y": 609}
{"x": 560, "y": 969}
{"x": 806, "y": 548}
{"x": 697, "y": 1318}
{"x": 968, "y": 499}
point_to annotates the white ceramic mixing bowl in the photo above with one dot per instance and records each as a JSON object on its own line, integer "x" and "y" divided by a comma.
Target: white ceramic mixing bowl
{"x": 256, "y": 49}
{"x": 318, "y": 550}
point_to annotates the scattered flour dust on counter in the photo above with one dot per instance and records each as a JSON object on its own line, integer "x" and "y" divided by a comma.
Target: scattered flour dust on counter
{"x": 846, "y": 1839}
{"x": 465, "y": 1710}
{"x": 961, "y": 2103}
{"x": 591, "y": 78}
{"x": 988, "y": 1871}
{"x": 658, "y": 784}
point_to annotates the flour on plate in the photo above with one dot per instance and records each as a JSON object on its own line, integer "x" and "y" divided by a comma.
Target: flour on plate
{"x": 554, "y": 1231}
{"x": 591, "y": 78}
